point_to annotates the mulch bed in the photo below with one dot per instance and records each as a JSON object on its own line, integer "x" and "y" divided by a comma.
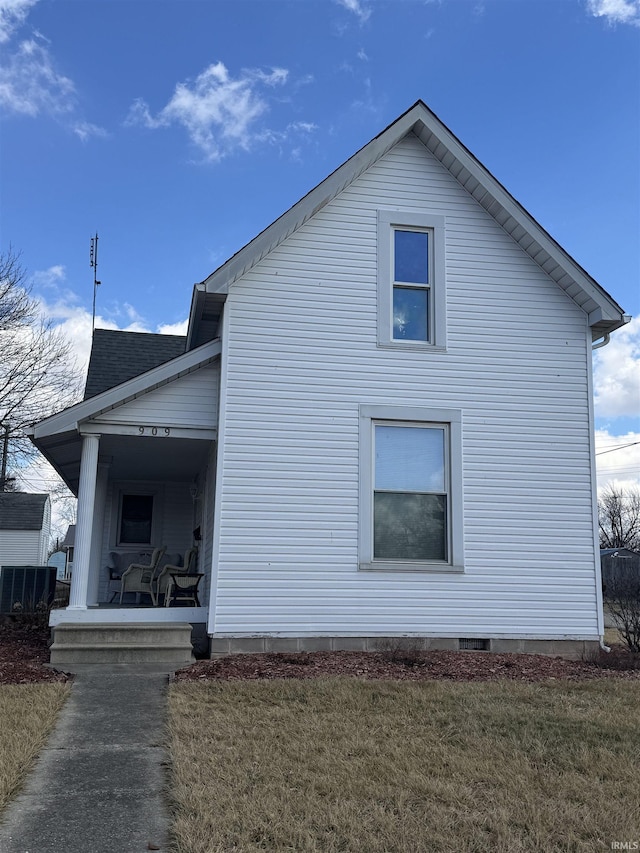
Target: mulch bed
{"x": 24, "y": 649}
{"x": 415, "y": 666}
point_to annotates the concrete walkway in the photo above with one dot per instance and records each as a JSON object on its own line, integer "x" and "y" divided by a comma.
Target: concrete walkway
{"x": 98, "y": 786}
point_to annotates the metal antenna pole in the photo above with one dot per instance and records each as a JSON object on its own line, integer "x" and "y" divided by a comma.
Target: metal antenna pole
{"x": 5, "y": 454}
{"x": 93, "y": 260}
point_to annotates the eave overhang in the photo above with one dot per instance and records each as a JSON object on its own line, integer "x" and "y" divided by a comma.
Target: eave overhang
{"x": 604, "y": 313}
{"x": 203, "y": 305}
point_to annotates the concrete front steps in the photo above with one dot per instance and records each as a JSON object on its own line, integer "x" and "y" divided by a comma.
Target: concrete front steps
{"x": 136, "y": 642}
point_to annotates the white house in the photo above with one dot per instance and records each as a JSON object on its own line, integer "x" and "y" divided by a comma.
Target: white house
{"x": 380, "y": 423}
{"x": 25, "y": 526}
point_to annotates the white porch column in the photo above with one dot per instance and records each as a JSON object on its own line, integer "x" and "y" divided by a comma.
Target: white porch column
{"x": 86, "y": 499}
{"x": 95, "y": 565}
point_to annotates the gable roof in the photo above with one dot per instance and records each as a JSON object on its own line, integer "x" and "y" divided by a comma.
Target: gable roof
{"x": 22, "y": 511}
{"x": 118, "y": 356}
{"x": 603, "y": 311}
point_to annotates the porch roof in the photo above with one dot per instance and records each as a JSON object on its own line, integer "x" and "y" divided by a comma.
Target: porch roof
{"x": 131, "y": 456}
{"x": 119, "y": 356}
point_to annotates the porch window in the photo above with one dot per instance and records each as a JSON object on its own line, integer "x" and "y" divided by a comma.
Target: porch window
{"x": 136, "y": 517}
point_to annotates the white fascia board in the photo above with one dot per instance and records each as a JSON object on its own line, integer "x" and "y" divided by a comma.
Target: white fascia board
{"x": 416, "y": 119}
{"x": 69, "y": 419}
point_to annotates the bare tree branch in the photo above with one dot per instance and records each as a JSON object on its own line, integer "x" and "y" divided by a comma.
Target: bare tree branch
{"x": 38, "y": 373}
{"x": 619, "y": 518}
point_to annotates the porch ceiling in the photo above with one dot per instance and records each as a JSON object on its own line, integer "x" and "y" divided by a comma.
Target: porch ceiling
{"x": 130, "y": 457}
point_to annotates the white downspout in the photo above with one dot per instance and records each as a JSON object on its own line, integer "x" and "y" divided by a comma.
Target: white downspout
{"x": 605, "y": 340}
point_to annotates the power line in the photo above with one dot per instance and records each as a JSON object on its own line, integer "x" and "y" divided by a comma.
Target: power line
{"x": 620, "y": 447}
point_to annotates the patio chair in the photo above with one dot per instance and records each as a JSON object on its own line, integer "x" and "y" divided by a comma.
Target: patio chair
{"x": 139, "y": 578}
{"x": 164, "y": 581}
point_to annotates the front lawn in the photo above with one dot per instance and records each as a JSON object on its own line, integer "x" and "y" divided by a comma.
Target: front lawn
{"x": 28, "y": 712}
{"x": 342, "y": 764}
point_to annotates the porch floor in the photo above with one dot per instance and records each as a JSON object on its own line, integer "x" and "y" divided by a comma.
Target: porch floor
{"x": 126, "y": 613}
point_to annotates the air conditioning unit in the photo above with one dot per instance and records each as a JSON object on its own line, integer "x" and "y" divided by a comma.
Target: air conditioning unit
{"x": 26, "y": 589}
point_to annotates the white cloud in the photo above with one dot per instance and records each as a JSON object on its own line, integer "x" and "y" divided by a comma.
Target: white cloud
{"x": 219, "y": 112}
{"x": 361, "y": 10}
{"x": 13, "y": 14}
{"x": 362, "y": 55}
{"x": 179, "y": 328}
{"x": 31, "y": 85}
{"x": 50, "y": 278}
{"x": 84, "y": 130}
{"x": 616, "y": 374}
{"x": 616, "y": 11}
{"x": 303, "y": 126}
{"x": 618, "y": 459}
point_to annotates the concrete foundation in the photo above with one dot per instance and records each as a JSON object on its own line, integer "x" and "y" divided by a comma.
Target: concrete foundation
{"x": 569, "y": 649}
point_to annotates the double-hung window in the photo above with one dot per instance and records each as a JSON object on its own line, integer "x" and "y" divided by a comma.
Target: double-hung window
{"x": 411, "y": 285}
{"x": 412, "y": 278}
{"x": 410, "y": 489}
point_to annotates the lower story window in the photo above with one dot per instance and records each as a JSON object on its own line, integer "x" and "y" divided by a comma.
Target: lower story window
{"x": 410, "y": 492}
{"x": 411, "y": 488}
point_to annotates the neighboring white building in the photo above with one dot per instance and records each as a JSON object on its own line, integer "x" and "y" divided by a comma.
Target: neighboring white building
{"x": 380, "y": 422}
{"x": 25, "y": 528}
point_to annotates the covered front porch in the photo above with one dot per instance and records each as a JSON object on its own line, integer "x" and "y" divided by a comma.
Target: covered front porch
{"x": 137, "y": 493}
{"x": 141, "y": 458}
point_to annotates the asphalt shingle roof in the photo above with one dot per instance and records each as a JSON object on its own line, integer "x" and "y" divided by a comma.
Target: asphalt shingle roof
{"x": 21, "y": 511}
{"x": 70, "y": 537}
{"x": 119, "y": 356}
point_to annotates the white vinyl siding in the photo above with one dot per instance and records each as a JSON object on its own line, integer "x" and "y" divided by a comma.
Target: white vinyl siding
{"x": 23, "y": 547}
{"x": 190, "y": 401}
{"x": 303, "y": 356}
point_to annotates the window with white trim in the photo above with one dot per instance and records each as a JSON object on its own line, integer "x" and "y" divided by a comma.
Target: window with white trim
{"x": 136, "y": 519}
{"x": 411, "y": 488}
{"x": 411, "y": 286}
{"x": 137, "y": 514}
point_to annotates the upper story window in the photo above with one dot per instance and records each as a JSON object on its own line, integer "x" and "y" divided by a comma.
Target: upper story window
{"x": 411, "y": 285}
{"x": 411, "y": 281}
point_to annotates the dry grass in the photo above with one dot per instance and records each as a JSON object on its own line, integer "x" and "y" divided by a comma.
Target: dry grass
{"x": 27, "y": 715}
{"x": 347, "y": 765}
{"x": 612, "y": 637}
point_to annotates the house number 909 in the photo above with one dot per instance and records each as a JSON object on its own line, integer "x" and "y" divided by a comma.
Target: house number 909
{"x": 154, "y": 430}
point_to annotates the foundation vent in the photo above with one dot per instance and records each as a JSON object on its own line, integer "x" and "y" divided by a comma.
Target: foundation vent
{"x": 474, "y": 644}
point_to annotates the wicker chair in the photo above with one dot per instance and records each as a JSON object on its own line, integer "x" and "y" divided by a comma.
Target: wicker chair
{"x": 139, "y": 578}
{"x": 163, "y": 581}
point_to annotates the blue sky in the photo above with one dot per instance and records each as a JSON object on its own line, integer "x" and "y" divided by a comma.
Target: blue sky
{"x": 178, "y": 129}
